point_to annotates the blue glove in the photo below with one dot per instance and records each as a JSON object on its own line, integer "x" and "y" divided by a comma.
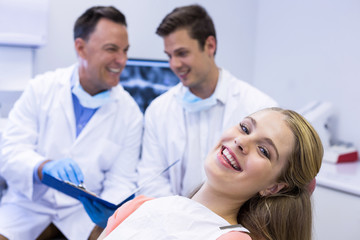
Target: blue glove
{"x": 98, "y": 213}
{"x": 64, "y": 169}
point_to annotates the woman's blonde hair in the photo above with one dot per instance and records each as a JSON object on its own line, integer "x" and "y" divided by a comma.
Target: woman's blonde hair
{"x": 287, "y": 214}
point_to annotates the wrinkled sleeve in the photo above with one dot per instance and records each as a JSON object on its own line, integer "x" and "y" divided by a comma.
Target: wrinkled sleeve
{"x": 19, "y": 153}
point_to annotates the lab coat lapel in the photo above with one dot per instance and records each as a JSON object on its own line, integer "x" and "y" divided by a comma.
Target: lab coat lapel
{"x": 228, "y": 118}
{"x": 231, "y": 106}
{"x": 178, "y": 119}
{"x": 177, "y": 144}
{"x": 180, "y": 138}
{"x": 68, "y": 107}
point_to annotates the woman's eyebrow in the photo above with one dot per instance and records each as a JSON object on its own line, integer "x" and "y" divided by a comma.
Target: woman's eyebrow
{"x": 267, "y": 140}
{"x": 253, "y": 121}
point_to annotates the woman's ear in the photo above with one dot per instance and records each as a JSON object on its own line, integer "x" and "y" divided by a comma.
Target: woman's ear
{"x": 272, "y": 189}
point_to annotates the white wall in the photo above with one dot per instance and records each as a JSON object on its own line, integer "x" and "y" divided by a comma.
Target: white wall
{"x": 310, "y": 50}
{"x": 23, "y": 22}
{"x": 15, "y": 67}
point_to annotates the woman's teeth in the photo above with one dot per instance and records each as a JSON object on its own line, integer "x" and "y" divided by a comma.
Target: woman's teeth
{"x": 229, "y": 158}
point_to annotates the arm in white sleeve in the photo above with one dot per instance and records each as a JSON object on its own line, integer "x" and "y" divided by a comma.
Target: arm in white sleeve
{"x": 19, "y": 156}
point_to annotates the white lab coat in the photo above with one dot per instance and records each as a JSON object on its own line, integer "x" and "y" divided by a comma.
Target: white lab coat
{"x": 42, "y": 126}
{"x": 165, "y": 135}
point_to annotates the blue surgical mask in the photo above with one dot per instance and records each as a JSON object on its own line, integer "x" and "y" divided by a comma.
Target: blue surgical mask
{"x": 192, "y": 103}
{"x": 88, "y": 101}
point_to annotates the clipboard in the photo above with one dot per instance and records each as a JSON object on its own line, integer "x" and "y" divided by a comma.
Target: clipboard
{"x": 75, "y": 191}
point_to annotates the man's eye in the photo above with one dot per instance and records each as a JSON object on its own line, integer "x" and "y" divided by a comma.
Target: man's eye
{"x": 182, "y": 54}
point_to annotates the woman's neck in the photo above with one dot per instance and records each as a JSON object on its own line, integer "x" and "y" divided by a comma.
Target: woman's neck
{"x": 224, "y": 206}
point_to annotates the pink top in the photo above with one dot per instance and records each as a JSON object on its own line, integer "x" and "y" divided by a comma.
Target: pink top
{"x": 131, "y": 206}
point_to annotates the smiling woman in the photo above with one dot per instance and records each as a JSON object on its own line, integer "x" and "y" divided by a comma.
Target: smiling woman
{"x": 256, "y": 188}
{"x": 249, "y": 157}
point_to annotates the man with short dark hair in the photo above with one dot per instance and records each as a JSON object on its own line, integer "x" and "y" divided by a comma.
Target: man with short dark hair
{"x": 76, "y": 124}
{"x": 185, "y": 122}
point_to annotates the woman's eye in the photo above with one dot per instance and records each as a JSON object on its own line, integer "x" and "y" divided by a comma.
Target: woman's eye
{"x": 244, "y": 128}
{"x": 265, "y": 152}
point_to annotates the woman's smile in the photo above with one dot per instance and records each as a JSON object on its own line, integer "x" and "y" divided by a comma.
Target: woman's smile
{"x": 227, "y": 158}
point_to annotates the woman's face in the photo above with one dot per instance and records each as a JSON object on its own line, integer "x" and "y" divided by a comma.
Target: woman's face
{"x": 249, "y": 157}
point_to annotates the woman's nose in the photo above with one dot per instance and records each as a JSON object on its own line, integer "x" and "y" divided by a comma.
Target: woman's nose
{"x": 242, "y": 144}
